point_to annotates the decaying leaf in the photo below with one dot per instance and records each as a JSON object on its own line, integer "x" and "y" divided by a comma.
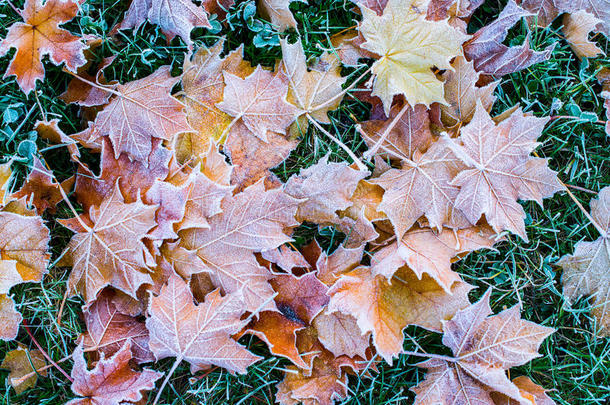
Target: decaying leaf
{"x": 587, "y": 270}
{"x": 501, "y": 170}
{"x": 325, "y": 188}
{"x": 6, "y": 175}
{"x": 532, "y": 392}
{"x": 199, "y": 334}
{"x": 22, "y": 362}
{"x": 278, "y": 11}
{"x": 386, "y": 308}
{"x": 490, "y": 56}
{"x": 252, "y": 221}
{"x": 41, "y": 189}
{"x": 408, "y": 46}
{"x": 40, "y": 35}
{"x": 484, "y": 347}
{"x": 112, "y": 381}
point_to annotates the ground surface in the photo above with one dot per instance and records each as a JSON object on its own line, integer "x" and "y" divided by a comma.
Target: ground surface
{"x": 574, "y": 363}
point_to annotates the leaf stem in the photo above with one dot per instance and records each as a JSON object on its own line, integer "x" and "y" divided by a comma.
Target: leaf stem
{"x": 44, "y": 353}
{"x": 347, "y": 150}
{"x": 371, "y": 152}
{"x": 166, "y": 380}
{"x": 597, "y": 226}
{"x": 432, "y": 356}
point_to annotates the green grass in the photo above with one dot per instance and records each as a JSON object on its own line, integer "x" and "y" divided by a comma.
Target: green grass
{"x": 573, "y": 363}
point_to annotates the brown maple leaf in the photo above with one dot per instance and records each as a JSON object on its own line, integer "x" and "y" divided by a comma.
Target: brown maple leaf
{"x": 41, "y": 189}
{"x": 140, "y": 111}
{"x": 340, "y": 334}
{"x": 40, "y": 35}
{"x": 200, "y": 334}
{"x": 278, "y": 11}
{"x": 576, "y": 27}
{"x": 423, "y": 187}
{"x": 134, "y": 177}
{"x": 323, "y": 381}
{"x": 285, "y": 258}
{"x": 6, "y": 174}
{"x": 50, "y": 131}
{"x": 253, "y": 158}
{"x": 490, "y": 56}
{"x": 174, "y": 17}
{"x": 587, "y": 271}
{"x": 111, "y": 381}
{"x": 547, "y": 10}
{"x": 107, "y": 248}
{"x": 252, "y": 221}
{"x": 108, "y": 329}
{"x": 24, "y": 258}
{"x": 410, "y": 133}
{"x": 483, "y": 347}
{"x": 500, "y": 169}
{"x": 441, "y": 9}
{"x": 203, "y": 86}
{"x": 532, "y": 392}
{"x": 385, "y": 307}
{"x": 315, "y": 91}
{"x": 326, "y": 188}
{"x": 264, "y": 108}
{"x": 427, "y": 252}
{"x": 462, "y": 93}
{"x": 23, "y": 362}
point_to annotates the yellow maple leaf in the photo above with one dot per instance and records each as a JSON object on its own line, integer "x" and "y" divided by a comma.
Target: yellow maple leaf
{"x": 409, "y": 46}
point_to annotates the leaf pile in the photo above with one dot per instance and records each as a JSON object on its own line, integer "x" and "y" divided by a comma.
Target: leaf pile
{"x": 183, "y": 239}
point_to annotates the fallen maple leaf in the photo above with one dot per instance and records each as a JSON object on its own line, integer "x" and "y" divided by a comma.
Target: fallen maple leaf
{"x": 24, "y": 258}
{"x": 325, "y": 188}
{"x": 107, "y": 248}
{"x": 6, "y": 174}
{"x": 576, "y": 28}
{"x": 411, "y": 132}
{"x": 483, "y": 347}
{"x": 386, "y": 308}
{"x": 322, "y": 382}
{"x": 111, "y": 381}
{"x": 140, "y": 111}
{"x": 462, "y": 93}
{"x": 532, "y": 392}
{"x": 108, "y": 329}
{"x": 408, "y": 46}
{"x": 587, "y": 271}
{"x": 252, "y": 221}
{"x": 252, "y": 158}
{"x": 265, "y": 109}
{"x": 22, "y": 362}
{"x": 40, "y": 35}
{"x": 490, "y": 56}
{"x": 200, "y": 334}
{"x": 340, "y": 334}
{"x": 285, "y": 258}
{"x": 315, "y": 91}
{"x": 423, "y": 186}
{"x": 604, "y": 78}
{"x": 203, "y": 86}
{"x": 441, "y": 9}
{"x": 501, "y": 170}
{"x": 547, "y": 10}
{"x": 427, "y": 252}
{"x": 174, "y": 17}
{"x": 41, "y": 189}
{"x": 278, "y": 11}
